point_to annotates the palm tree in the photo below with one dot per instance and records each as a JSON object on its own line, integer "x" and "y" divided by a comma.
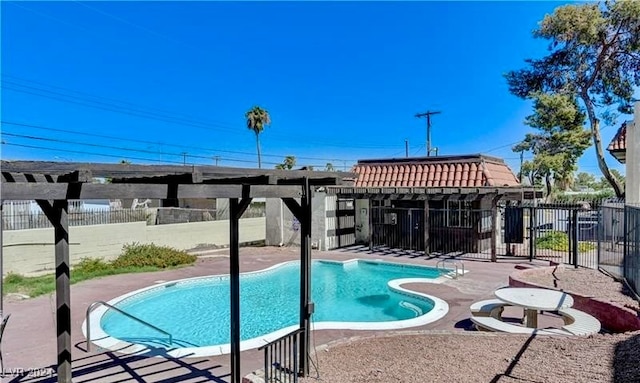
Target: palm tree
{"x": 257, "y": 119}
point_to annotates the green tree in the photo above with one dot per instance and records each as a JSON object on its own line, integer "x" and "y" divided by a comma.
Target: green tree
{"x": 594, "y": 56}
{"x": 585, "y": 180}
{"x": 559, "y": 142}
{"x": 288, "y": 163}
{"x": 604, "y": 184}
{"x": 257, "y": 118}
{"x": 329, "y": 167}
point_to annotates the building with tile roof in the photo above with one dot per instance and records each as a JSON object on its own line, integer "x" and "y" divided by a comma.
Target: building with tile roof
{"x": 440, "y": 204}
{"x": 618, "y": 145}
{"x": 442, "y": 171}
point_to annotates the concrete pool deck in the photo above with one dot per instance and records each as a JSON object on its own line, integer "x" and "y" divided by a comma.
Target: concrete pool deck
{"x": 30, "y": 337}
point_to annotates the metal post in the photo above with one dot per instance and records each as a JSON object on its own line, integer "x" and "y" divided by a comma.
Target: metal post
{"x": 574, "y": 235}
{"x": 532, "y": 233}
{"x": 425, "y": 227}
{"x": 371, "y": 227}
{"x": 496, "y": 228}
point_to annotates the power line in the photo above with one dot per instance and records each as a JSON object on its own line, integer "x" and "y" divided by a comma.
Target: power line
{"x": 119, "y": 148}
{"x": 184, "y": 155}
{"x": 138, "y": 111}
{"x": 159, "y": 143}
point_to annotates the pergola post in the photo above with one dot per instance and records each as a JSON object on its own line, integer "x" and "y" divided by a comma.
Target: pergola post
{"x": 57, "y": 213}
{"x": 236, "y": 209}
{"x": 303, "y": 212}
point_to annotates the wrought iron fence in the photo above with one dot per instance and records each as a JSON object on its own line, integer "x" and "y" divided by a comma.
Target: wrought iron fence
{"x": 565, "y": 233}
{"x": 632, "y": 246}
{"x": 281, "y": 358}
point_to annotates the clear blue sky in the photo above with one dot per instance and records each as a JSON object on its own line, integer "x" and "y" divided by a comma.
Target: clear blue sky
{"x": 341, "y": 80}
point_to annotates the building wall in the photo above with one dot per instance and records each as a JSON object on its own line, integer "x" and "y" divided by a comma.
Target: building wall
{"x": 284, "y": 230}
{"x": 32, "y": 251}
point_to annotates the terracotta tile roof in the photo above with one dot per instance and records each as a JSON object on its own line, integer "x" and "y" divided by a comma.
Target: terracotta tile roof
{"x": 619, "y": 141}
{"x": 440, "y": 171}
{"x": 618, "y": 145}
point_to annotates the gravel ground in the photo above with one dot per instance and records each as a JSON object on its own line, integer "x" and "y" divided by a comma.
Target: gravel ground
{"x": 489, "y": 357}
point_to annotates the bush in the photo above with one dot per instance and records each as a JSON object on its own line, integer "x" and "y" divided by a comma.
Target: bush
{"x": 91, "y": 265}
{"x": 137, "y": 255}
{"x": 13, "y": 278}
{"x": 559, "y": 241}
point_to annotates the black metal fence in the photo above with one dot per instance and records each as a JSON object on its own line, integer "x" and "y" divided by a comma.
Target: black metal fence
{"x": 450, "y": 232}
{"x": 281, "y": 358}
{"x": 576, "y": 234}
{"x": 632, "y": 246}
{"x": 564, "y": 233}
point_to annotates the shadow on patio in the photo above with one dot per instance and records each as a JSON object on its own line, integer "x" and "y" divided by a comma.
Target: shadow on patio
{"x": 153, "y": 365}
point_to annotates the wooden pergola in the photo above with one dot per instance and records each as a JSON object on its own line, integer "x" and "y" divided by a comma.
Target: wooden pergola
{"x": 53, "y": 184}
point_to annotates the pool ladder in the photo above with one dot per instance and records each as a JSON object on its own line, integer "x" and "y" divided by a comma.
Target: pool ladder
{"x": 454, "y": 262}
{"x": 103, "y": 303}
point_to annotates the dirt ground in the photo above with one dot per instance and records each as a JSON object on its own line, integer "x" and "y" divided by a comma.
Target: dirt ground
{"x": 489, "y": 357}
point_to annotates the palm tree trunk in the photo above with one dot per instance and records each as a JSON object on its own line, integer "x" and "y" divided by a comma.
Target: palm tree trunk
{"x": 597, "y": 142}
{"x": 258, "y": 147}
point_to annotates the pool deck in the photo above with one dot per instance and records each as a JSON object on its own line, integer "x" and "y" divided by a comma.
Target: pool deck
{"x": 30, "y": 337}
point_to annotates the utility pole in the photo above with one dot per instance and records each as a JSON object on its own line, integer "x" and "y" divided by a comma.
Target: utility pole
{"x": 428, "y": 115}
{"x": 216, "y": 158}
{"x": 184, "y": 160}
{"x": 406, "y": 148}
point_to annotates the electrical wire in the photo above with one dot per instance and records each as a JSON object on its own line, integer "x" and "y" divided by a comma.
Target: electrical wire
{"x": 163, "y": 144}
{"x": 165, "y": 116}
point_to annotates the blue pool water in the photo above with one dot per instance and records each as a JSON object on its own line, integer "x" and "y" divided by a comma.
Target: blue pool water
{"x": 196, "y": 312}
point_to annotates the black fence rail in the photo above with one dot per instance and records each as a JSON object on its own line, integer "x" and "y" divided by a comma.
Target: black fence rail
{"x": 281, "y": 358}
{"x": 632, "y": 247}
{"x": 564, "y": 233}
{"x": 450, "y": 232}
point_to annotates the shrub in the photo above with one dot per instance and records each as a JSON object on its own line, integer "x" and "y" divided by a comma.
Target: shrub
{"x": 91, "y": 265}
{"x": 138, "y": 255}
{"x": 559, "y": 241}
{"x": 13, "y": 278}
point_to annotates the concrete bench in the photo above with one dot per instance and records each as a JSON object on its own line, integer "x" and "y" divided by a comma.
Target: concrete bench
{"x": 493, "y": 324}
{"x": 578, "y": 322}
{"x": 488, "y": 308}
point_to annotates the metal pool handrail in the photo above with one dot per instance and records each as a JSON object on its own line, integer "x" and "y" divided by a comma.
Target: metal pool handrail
{"x": 96, "y": 303}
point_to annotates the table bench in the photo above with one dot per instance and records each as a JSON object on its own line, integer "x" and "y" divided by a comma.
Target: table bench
{"x": 493, "y": 324}
{"x": 578, "y": 322}
{"x": 489, "y": 307}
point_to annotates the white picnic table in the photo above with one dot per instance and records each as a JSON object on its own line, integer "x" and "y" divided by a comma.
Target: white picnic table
{"x": 534, "y": 299}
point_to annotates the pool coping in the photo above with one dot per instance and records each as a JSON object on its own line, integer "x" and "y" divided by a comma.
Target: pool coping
{"x": 103, "y": 340}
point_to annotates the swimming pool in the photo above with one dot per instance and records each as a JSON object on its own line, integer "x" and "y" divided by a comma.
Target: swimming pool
{"x": 357, "y": 294}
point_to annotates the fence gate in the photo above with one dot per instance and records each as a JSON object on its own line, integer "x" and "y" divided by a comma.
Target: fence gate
{"x": 397, "y": 228}
{"x": 565, "y": 234}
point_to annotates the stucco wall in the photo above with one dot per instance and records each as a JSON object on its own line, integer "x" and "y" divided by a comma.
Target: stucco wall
{"x": 284, "y": 230}
{"x": 32, "y": 251}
